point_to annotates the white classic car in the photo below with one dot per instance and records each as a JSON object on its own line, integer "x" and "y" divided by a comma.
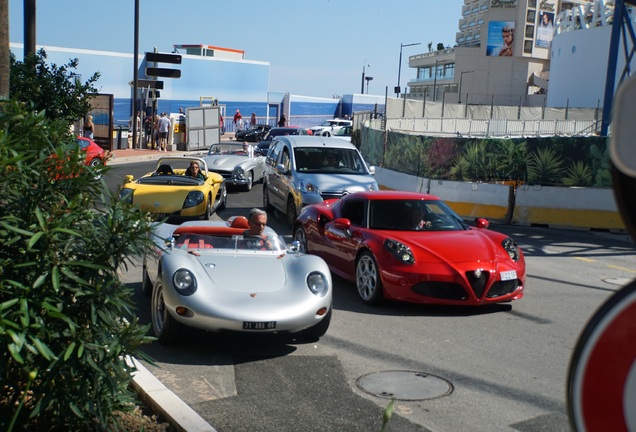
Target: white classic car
{"x": 239, "y": 164}
{"x": 212, "y": 276}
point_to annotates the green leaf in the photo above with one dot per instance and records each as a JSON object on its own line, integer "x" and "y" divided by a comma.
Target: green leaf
{"x": 55, "y": 278}
{"x": 16, "y": 229}
{"x": 33, "y": 240}
{"x": 43, "y": 349}
{"x": 69, "y": 351}
{"x": 40, "y": 218}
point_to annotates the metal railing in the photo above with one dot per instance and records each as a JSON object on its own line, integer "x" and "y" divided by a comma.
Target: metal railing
{"x": 491, "y": 127}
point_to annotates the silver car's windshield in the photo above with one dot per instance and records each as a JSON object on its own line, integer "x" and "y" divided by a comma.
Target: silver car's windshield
{"x": 329, "y": 160}
{"x": 231, "y": 149}
{"x": 190, "y": 241}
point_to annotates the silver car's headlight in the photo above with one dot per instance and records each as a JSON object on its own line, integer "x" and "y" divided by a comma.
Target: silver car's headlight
{"x": 511, "y": 247}
{"x": 317, "y": 284}
{"x": 194, "y": 198}
{"x": 126, "y": 195}
{"x": 238, "y": 173}
{"x": 309, "y": 187}
{"x": 400, "y": 251}
{"x": 184, "y": 282}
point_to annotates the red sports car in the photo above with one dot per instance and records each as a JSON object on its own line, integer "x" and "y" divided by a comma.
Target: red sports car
{"x": 411, "y": 247}
{"x": 95, "y": 156}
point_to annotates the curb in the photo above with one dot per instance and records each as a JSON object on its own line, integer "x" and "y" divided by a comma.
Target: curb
{"x": 165, "y": 402}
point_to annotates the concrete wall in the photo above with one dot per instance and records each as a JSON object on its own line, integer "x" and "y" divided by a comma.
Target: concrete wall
{"x": 581, "y": 208}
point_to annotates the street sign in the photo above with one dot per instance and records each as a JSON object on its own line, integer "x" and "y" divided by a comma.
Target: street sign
{"x": 601, "y": 391}
{"x": 163, "y": 72}
{"x": 144, "y": 83}
{"x": 163, "y": 58}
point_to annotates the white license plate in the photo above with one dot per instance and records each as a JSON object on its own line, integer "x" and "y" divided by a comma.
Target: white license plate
{"x": 508, "y": 275}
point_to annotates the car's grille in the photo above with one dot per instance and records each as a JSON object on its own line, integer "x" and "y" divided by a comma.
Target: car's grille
{"x": 502, "y": 288}
{"x": 442, "y": 290}
{"x": 478, "y": 284}
{"x": 332, "y": 194}
{"x": 225, "y": 174}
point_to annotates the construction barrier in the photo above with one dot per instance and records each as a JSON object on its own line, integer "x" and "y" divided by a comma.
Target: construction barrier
{"x": 559, "y": 207}
{"x": 572, "y": 207}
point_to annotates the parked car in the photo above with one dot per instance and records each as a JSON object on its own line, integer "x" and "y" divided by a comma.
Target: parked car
{"x": 412, "y": 247}
{"x": 209, "y": 275}
{"x": 302, "y": 170}
{"x": 344, "y": 133}
{"x": 280, "y": 131}
{"x": 254, "y": 133}
{"x": 330, "y": 127}
{"x": 239, "y": 164}
{"x": 167, "y": 192}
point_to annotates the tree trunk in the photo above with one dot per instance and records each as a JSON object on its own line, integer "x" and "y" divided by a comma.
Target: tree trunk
{"x": 4, "y": 49}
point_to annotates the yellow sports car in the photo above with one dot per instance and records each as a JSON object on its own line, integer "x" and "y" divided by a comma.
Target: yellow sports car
{"x": 179, "y": 187}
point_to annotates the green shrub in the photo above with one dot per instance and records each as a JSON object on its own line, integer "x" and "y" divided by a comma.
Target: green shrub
{"x": 66, "y": 319}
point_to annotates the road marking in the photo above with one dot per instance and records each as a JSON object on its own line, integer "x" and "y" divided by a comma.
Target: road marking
{"x": 622, "y": 268}
{"x": 584, "y": 259}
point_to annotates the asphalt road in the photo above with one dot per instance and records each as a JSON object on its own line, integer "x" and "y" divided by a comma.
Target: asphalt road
{"x": 500, "y": 368}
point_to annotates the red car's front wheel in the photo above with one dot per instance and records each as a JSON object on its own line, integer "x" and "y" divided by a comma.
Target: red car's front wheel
{"x": 368, "y": 279}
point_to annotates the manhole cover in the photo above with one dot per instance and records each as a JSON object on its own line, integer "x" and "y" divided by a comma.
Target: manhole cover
{"x": 618, "y": 281}
{"x": 404, "y": 385}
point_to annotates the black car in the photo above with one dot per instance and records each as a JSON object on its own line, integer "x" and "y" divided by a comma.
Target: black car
{"x": 254, "y": 133}
{"x": 263, "y": 145}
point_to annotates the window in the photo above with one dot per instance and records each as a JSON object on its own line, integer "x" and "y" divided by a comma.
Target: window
{"x": 529, "y": 31}
{"x": 354, "y": 211}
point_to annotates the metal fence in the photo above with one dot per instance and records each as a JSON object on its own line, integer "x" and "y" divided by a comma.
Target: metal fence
{"x": 490, "y": 127}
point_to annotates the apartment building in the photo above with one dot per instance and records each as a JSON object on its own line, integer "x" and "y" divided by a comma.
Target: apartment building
{"x": 503, "y": 52}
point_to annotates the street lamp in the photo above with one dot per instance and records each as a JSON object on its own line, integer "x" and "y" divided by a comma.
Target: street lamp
{"x": 461, "y": 78}
{"x": 368, "y": 79}
{"x": 398, "y": 89}
{"x": 364, "y": 65}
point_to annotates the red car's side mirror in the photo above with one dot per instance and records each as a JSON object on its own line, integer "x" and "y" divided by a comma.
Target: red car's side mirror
{"x": 482, "y": 223}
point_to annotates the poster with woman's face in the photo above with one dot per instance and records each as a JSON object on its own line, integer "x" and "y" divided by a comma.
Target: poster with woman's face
{"x": 545, "y": 29}
{"x": 500, "y": 38}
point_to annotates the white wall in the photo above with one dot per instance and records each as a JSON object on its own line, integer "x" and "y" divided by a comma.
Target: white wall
{"x": 578, "y": 68}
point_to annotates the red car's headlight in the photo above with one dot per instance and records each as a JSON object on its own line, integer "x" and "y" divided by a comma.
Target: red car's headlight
{"x": 400, "y": 251}
{"x": 511, "y": 247}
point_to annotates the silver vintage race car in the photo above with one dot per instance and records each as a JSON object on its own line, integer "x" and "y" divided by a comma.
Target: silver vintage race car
{"x": 239, "y": 164}
{"x": 209, "y": 275}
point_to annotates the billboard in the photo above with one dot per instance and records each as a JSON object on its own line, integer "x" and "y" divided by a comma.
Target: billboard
{"x": 501, "y": 35}
{"x": 545, "y": 29}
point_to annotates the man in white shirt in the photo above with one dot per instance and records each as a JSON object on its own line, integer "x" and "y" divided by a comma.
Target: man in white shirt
{"x": 164, "y": 126}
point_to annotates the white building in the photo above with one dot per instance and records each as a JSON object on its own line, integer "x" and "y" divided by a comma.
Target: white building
{"x": 549, "y": 62}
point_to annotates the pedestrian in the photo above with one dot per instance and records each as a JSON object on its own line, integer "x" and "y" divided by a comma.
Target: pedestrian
{"x": 238, "y": 121}
{"x": 155, "y": 132}
{"x": 164, "y": 128}
{"x": 253, "y": 119}
{"x": 148, "y": 130}
{"x": 283, "y": 121}
{"x": 89, "y": 127}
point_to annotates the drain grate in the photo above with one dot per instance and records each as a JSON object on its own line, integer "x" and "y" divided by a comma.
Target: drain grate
{"x": 404, "y": 385}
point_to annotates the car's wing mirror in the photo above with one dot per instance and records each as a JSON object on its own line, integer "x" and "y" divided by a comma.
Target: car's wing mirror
{"x": 280, "y": 169}
{"x": 129, "y": 178}
{"x": 482, "y": 223}
{"x": 338, "y": 229}
{"x": 372, "y": 170}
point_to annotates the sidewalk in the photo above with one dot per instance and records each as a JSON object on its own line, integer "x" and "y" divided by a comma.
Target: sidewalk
{"x": 120, "y": 156}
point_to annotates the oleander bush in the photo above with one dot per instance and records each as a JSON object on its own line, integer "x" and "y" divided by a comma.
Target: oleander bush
{"x": 66, "y": 319}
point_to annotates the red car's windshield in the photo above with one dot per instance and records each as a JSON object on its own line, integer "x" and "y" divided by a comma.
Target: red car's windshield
{"x": 413, "y": 215}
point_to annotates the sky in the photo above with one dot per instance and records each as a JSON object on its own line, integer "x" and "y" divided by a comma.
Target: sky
{"x": 314, "y": 47}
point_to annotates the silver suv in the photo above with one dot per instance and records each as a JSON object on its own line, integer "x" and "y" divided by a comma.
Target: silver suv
{"x": 302, "y": 170}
